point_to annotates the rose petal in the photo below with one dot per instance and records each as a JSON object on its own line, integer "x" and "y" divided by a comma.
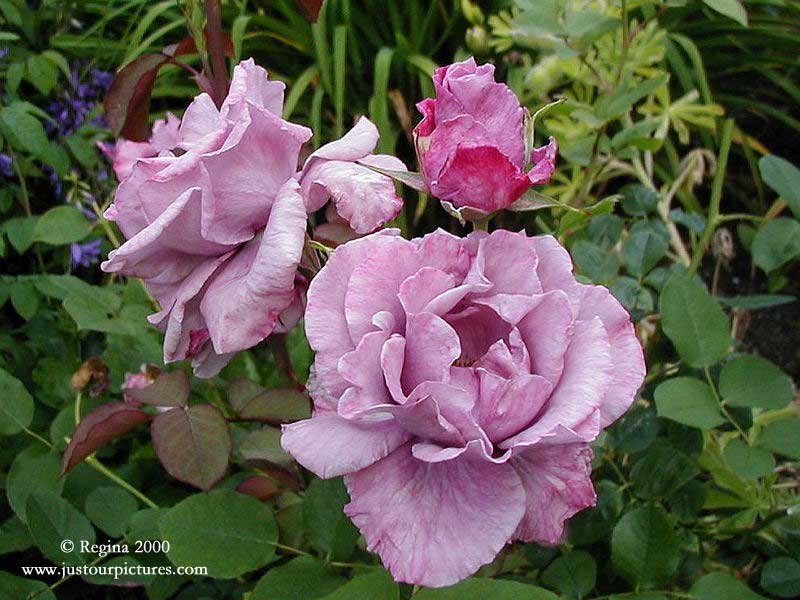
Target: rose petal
{"x": 480, "y": 177}
{"x": 329, "y": 445}
{"x": 627, "y": 358}
{"x": 557, "y": 483}
{"x": 245, "y": 299}
{"x": 405, "y": 509}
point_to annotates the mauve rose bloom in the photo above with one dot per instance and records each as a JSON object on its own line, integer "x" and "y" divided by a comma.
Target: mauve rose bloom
{"x": 125, "y": 153}
{"x": 216, "y": 228}
{"x": 471, "y": 141}
{"x": 457, "y": 383}
{"x": 216, "y": 223}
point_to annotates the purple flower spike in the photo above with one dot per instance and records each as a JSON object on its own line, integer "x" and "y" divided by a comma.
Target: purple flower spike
{"x": 5, "y": 165}
{"x": 84, "y": 255}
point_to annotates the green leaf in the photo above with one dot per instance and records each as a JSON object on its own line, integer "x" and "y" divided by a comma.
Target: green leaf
{"x": 229, "y": 533}
{"x": 143, "y": 524}
{"x": 19, "y": 587}
{"x": 776, "y": 243}
{"x": 747, "y": 461}
{"x": 594, "y": 262}
{"x": 624, "y": 97}
{"x": 14, "y": 536}
{"x": 638, "y": 200}
{"x": 753, "y": 381}
{"x": 781, "y": 437}
{"x": 35, "y": 469}
{"x": 327, "y": 528}
{"x": 41, "y": 72}
{"x": 642, "y": 250}
{"x": 51, "y": 520}
{"x": 82, "y": 149}
{"x": 644, "y": 547}
{"x": 596, "y": 522}
{"x": 24, "y": 131}
{"x": 110, "y": 508}
{"x": 756, "y": 301}
{"x": 783, "y": 177}
{"x": 16, "y": 405}
{"x": 729, "y": 8}
{"x": 375, "y": 584}
{"x": 264, "y": 445}
{"x": 605, "y": 230}
{"x": 694, "y": 322}
{"x": 62, "y": 286}
{"x": 486, "y": 589}
{"x": 635, "y": 430}
{"x": 781, "y": 577}
{"x": 689, "y": 401}
{"x": 661, "y": 471}
{"x": 716, "y": 586}
{"x": 62, "y": 225}
{"x": 20, "y": 232}
{"x": 92, "y": 315}
{"x": 573, "y": 575}
{"x": 303, "y": 578}
{"x": 24, "y": 299}
{"x": 589, "y": 25}
{"x": 193, "y": 444}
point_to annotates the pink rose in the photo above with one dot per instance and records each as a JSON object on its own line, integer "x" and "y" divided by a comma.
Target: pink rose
{"x": 216, "y": 223}
{"x": 457, "y": 383}
{"x": 125, "y": 153}
{"x": 216, "y": 226}
{"x": 471, "y": 141}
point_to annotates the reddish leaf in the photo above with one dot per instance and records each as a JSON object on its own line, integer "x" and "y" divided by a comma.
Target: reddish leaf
{"x": 259, "y": 487}
{"x": 169, "y": 389}
{"x": 310, "y": 8}
{"x": 254, "y": 403}
{"x": 193, "y": 444}
{"x": 104, "y": 424}
{"x": 127, "y": 103}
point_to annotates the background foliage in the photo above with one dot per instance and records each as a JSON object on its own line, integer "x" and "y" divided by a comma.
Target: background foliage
{"x": 676, "y": 188}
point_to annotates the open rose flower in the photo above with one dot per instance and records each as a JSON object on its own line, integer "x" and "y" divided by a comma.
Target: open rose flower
{"x": 471, "y": 142}
{"x": 457, "y": 383}
{"x": 216, "y": 222}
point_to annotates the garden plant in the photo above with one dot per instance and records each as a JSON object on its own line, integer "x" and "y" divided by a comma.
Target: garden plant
{"x": 349, "y": 299}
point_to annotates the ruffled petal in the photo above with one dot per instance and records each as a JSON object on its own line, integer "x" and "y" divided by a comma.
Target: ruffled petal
{"x": 627, "y": 357}
{"x": 480, "y": 177}
{"x": 546, "y": 331}
{"x": 544, "y": 162}
{"x": 431, "y": 347}
{"x": 557, "y": 483}
{"x": 247, "y": 176}
{"x": 375, "y": 282}
{"x": 329, "y": 445}
{"x": 434, "y": 524}
{"x": 249, "y": 83}
{"x": 325, "y": 324}
{"x": 581, "y": 389}
{"x": 243, "y": 303}
{"x": 365, "y": 198}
